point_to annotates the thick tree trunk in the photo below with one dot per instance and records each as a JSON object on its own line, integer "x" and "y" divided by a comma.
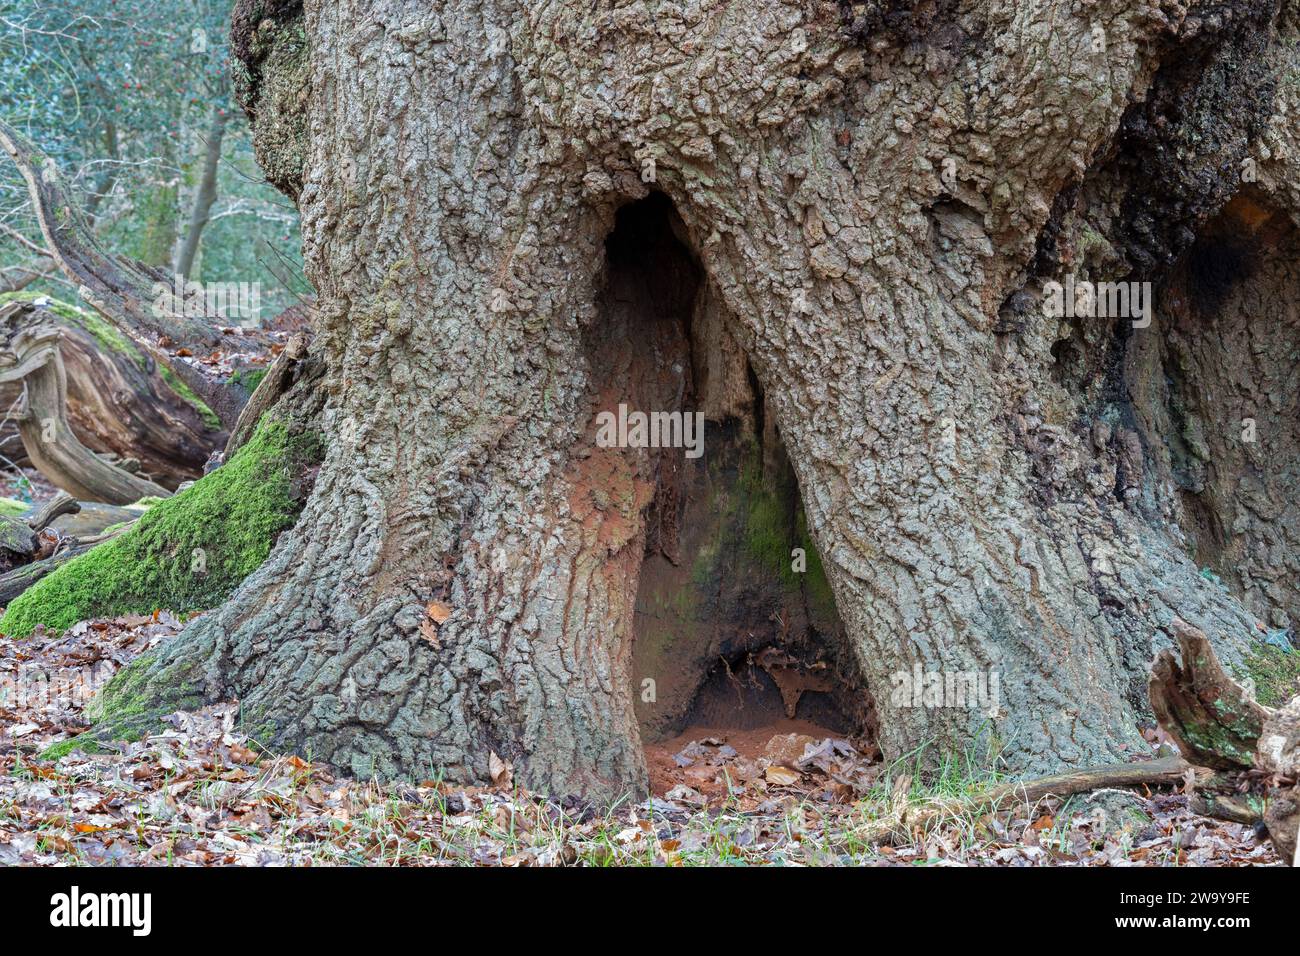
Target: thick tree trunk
{"x": 876, "y": 211}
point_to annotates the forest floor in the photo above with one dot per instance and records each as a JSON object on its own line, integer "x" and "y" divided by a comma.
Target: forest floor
{"x": 201, "y": 793}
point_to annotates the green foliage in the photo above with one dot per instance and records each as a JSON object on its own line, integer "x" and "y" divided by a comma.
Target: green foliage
{"x": 186, "y": 553}
{"x": 121, "y": 96}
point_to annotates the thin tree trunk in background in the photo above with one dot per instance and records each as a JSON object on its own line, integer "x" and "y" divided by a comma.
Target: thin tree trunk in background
{"x": 156, "y": 246}
{"x": 206, "y": 194}
{"x": 105, "y": 181}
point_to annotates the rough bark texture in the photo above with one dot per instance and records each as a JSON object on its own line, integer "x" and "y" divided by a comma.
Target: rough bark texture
{"x": 876, "y": 199}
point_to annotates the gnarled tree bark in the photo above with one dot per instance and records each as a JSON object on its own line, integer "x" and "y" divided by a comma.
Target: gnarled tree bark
{"x": 876, "y": 194}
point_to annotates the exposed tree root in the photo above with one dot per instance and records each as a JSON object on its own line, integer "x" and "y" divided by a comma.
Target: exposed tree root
{"x": 1225, "y": 807}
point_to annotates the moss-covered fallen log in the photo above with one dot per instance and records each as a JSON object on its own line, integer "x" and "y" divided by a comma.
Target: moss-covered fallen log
{"x": 119, "y": 289}
{"x": 119, "y": 401}
{"x": 187, "y": 553}
{"x": 31, "y": 354}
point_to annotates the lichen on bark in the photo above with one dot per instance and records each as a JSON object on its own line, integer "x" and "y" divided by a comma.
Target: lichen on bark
{"x": 270, "y": 78}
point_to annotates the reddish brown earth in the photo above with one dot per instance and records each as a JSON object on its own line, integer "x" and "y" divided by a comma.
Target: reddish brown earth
{"x": 715, "y": 770}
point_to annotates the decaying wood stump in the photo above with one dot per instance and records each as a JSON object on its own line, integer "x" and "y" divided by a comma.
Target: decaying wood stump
{"x": 1214, "y": 720}
{"x": 1278, "y": 754}
{"x": 1217, "y": 723}
{"x": 30, "y": 353}
{"x": 119, "y": 401}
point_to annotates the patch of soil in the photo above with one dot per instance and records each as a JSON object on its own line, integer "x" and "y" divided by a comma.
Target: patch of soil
{"x": 730, "y": 759}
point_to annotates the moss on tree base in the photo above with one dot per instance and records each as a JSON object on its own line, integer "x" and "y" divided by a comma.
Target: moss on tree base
{"x": 187, "y": 553}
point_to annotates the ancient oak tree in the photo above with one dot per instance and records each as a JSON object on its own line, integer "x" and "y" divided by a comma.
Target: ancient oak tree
{"x": 827, "y": 228}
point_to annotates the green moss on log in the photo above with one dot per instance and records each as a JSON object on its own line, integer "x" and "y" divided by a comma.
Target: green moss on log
{"x": 111, "y": 339}
{"x": 189, "y": 396}
{"x": 247, "y": 378}
{"x": 1276, "y": 674}
{"x": 13, "y": 508}
{"x": 186, "y": 553}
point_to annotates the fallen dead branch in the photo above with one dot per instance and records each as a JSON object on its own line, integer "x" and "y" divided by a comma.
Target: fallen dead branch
{"x": 118, "y": 288}
{"x": 907, "y": 819}
{"x": 279, "y": 376}
{"x": 119, "y": 402}
{"x": 29, "y": 353}
{"x": 45, "y": 551}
